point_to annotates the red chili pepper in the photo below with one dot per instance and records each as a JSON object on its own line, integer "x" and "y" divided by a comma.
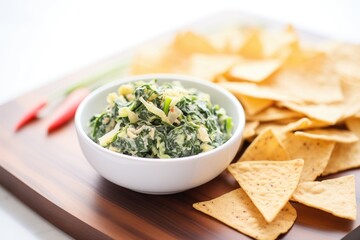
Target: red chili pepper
{"x": 31, "y": 115}
{"x": 67, "y": 109}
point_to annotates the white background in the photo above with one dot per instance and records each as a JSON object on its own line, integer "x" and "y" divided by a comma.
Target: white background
{"x": 41, "y": 41}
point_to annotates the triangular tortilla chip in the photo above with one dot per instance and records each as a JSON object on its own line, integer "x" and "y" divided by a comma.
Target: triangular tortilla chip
{"x": 228, "y": 40}
{"x": 353, "y": 125}
{"x": 336, "y": 196}
{"x": 253, "y": 90}
{"x": 316, "y": 154}
{"x": 215, "y": 65}
{"x": 252, "y": 47}
{"x": 281, "y": 127}
{"x": 276, "y": 42}
{"x": 253, "y": 70}
{"x": 269, "y": 184}
{"x": 254, "y": 105}
{"x": 311, "y": 82}
{"x": 190, "y": 42}
{"x": 330, "y": 113}
{"x": 237, "y": 211}
{"x": 266, "y": 146}
{"x": 149, "y": 60}
{"x": 274, "y": 114}
{"x": 346, "y": 60}
{"x": 276, "y": 128}
{"x": 345, "y": 156}
{"x": 304, "y": 123}
{"x": 333, "y": 112}
{"x": 249, "y": 129}
{"x": 330, "y": 134}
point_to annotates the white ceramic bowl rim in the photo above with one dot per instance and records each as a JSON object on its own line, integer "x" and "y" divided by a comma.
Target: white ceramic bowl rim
{"x": 172, "y": 77}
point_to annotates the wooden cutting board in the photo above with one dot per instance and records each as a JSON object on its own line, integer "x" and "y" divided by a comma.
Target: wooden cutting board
{"x": 50, "y": 175}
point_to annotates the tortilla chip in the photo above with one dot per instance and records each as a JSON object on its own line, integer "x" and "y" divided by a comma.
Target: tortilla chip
{"x": 354, "y": 125}
{"x": 345, "y": 156}
{"x": 190, "y": 42}
{"x": 228, "y": 40}
{"x": 330, "y": 134}
{"x": 253, "y": 90}
{"x": 322, "y": 112}
{"x": 149, "y": 60}
{"x": 274, "y": 114}
{"x": 252, "y": 47}
{"x": 254, "y": 105}
{"x": 332, "y": 112}
{"x": 316, "y": 154}
{"x": 236, "y": 210}
{"x": 266, "y": 146}
{"x": 276, "y": 128}
{"x": 220, "y": 78}
{"x": 301, "y": 55}
{"x": 311, "y": 82}
{"x": 347, "y": 61}
{"x": 253, "y": 70}
{"x": 304, "y": 123}
{"x": 280, "y": 128}
{"x": 336, "y": 196}
{"x": 249, "y": 129}
{"x": 275, "y": 43}
{"x": 215, "y": 65}
{"x": 269, "y": 184}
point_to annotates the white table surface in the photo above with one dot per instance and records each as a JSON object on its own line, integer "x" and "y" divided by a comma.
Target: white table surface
{"x": 41, "y": 41}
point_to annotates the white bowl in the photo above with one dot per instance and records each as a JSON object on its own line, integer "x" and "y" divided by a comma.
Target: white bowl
{"x": 159, "y": 176}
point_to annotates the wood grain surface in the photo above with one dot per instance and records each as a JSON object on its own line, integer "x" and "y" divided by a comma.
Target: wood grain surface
{"x": 50, "y": 174}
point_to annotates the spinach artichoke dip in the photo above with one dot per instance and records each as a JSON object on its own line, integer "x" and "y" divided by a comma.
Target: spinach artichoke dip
{"x": 149, "y": 120}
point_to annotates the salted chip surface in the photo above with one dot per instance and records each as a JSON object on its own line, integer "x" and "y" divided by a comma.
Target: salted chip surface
{"x": 191, "y": 42}
{"x": 228, "y": 40}
{"x": 252, "y": 47}
{"x": 354, "y": 125}
{"x": 215, "y": 64}
{"x": 265, "y": 146}
{"x": 332, "y": 112}
{"x": 254, "y": 90}
{"x": 330, "y": 134}
{"x": 345, "y": 156}
{"x": 249, "y": 129}
{"x": 310, "y": 82}
{"x": 254, "y": 105}
{"x": 254, "y": 70}
{"x": 346, "y": 60}
{"x": 150, "y": 60}
{"x": 236, "y": 210}
{"x": 274, "y": 114}
{"x": 277, "y": 42}
{"x": 304, "y": 123}
{"x": 283, "y": 126}
{"x": 269, "y": 184}
{"x": 336, "y": 196}
{"x": 316, "y": 154}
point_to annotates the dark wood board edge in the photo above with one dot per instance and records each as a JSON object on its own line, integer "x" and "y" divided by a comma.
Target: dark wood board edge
{"x": 48, "y": 210}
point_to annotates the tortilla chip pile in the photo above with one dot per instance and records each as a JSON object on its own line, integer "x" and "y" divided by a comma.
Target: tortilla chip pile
{"x": 302, "y": 104}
